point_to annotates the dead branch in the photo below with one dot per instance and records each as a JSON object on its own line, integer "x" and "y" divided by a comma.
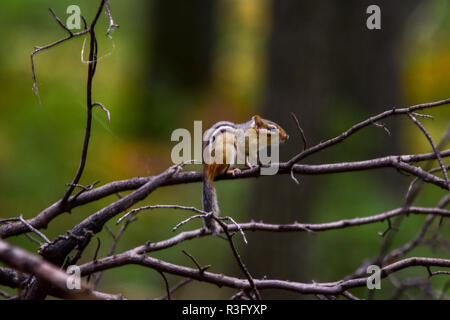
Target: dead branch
{"x": 42, "y": 219}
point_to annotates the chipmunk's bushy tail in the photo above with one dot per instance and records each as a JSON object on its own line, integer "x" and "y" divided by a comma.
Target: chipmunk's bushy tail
{"x": 210, "y": 203}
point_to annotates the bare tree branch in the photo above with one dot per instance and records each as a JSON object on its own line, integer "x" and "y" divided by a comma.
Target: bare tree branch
{"x": 239, "y": 260}
{"x": 12, "y": 278}
{"x": 362, "y": 124}
{"x": 29, "y": 226}
{"x": 175, "y": 288}
{"x": 112, "y": 25}
{"x": 300, "y": 130}
{"x": 43, "y": 218}
{"x": 89, "y": 104}
{"x": 116, "y": 238}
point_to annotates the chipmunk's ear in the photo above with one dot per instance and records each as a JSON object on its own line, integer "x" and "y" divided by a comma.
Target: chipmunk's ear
{"x": 258, "y": 121}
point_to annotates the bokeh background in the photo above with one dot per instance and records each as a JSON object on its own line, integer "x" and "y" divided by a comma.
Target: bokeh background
{"x": 173, "y": 62}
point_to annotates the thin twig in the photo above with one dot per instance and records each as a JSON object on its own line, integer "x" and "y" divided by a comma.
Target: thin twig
{"x": 33, "y": 239}
{"x": 389, "y": 228}
{"x": 349, "y": 296}
{"x": 104, "y": 109}
{"x": 239, "y": 259}
{"x": 8, "y": 220}
{"x": 83, "y": 188}
{"x": 112, "y": 25}
{"x": 175, "y": 288}
{"x": 97, "y": 249}
{"x": 440, "y": 272}
{"x": 381, "y": 125}
{"x": 444, "y": 290}
{"x": 51, "y": 45}
{"x": 300, "y": 130}
{"x": 95, "y": 256}
{"x": 160, "y": 206}
{"x": 293, "y": 176}
{"x": 237, "y": 226}
{"x": 203, "y": 215}
{"x": 410, "y": 190}
{"x": 116, "y": 238}
{"x": 60, "y": 22}
{"x": 420, "y": 115}
{"x": 5, "y": 295}
{"x": 167, "y": 284}
{"x": 201, "y": 269}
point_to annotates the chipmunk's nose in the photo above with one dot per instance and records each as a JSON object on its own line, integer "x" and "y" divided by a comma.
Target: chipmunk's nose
{"x": 287, "y": 136}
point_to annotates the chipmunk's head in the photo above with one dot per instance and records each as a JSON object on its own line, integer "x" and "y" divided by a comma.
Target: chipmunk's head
{"x": 269, "y": 128}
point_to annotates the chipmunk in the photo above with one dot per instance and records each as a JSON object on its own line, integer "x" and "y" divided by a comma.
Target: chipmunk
{"x": 221, "y": 143}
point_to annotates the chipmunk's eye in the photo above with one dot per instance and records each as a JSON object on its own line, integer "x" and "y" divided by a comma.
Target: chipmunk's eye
{"x": 272, "y": 128}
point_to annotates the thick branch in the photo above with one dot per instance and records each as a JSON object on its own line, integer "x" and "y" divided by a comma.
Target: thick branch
{"x": 61, "y": 247}
{"x": 44, "y": 271}
{"x": 402, "y": 162}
